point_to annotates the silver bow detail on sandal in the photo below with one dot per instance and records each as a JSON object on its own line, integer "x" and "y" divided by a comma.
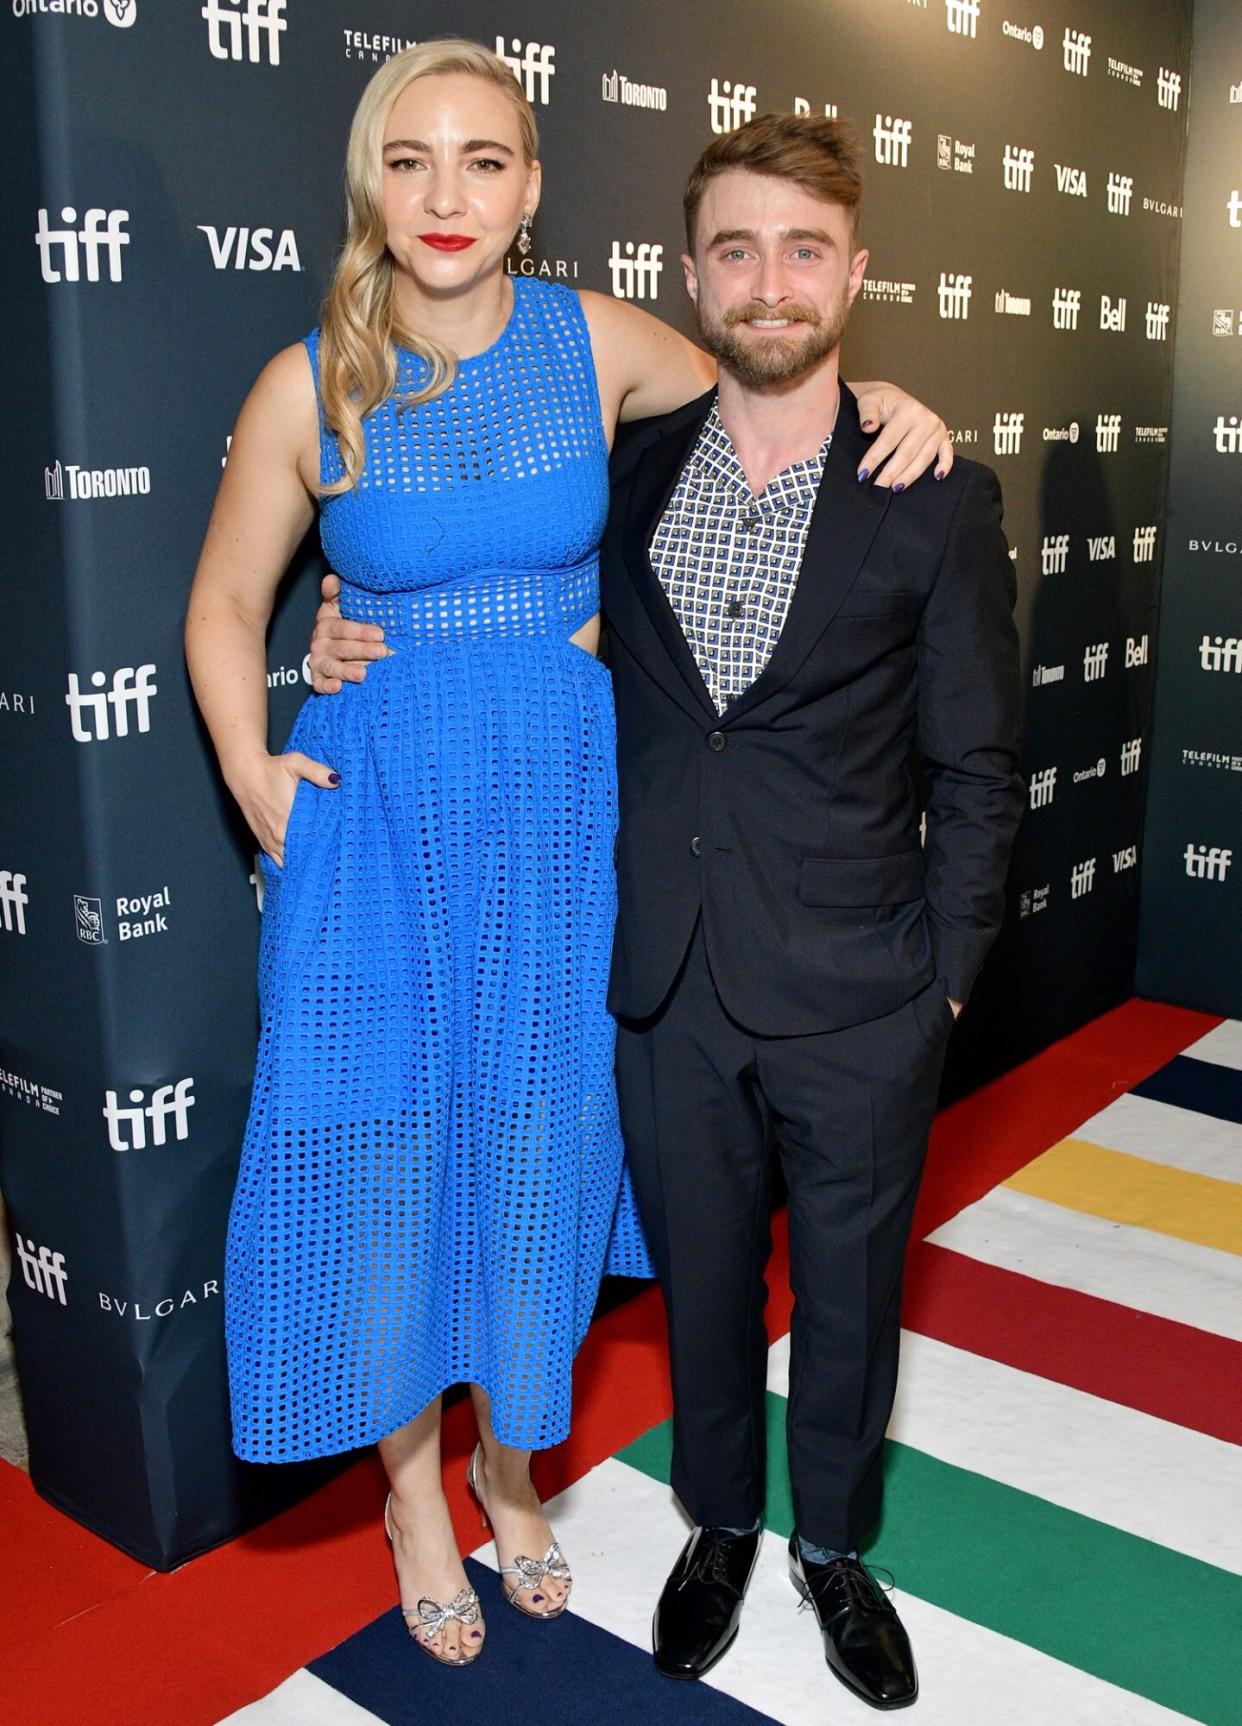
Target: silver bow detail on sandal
{"x": 432, "y": 1617}
{"x": 531, "y": 1572}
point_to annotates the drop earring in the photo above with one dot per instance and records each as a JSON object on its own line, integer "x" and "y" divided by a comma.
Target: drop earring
{"x": 523, "y": 236}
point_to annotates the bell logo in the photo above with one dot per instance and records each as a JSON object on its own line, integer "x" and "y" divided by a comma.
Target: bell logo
{"x": 1053, "y": 554}
{"x": 1228, "y": 435}
{"x": 1216, "y": 653}
{"x": 1095, "y": 662}
{"x": 1157, "y": 321}
{"x": 13, "y": 902}
{"x": 1145, "y": 545}
{"x": 1082, "y": 878}
{"x": 1043, "y": 788}
{"x": 962, "y": 17}
{"x": 251, "y": 248}
{"x": 1065, "y": 304}
{"x": 1168, "y": 88}
{"x": 1112, "y": 315}
{"x": 955, "y": 292}
{"x": 532, "y": 66}
{"x": 1019, "y": 165}
{"x": 1204, "y": 863}
{"x": 1120, "y": 191}
{"x": 730, "y": 105}
{"x": 892, "y": 141}
{"x": 636, "y": 270}
{"x": 1136, "y": 651}
{"x": 101, "y": 232}
{"x": 42, "y": 1271}
{"x": 1107, "y": 433}
{"x": 256, "y": 23}
{"x": 1131, "y": 755}
{"x": 130, "y": 688}
{"x": 1007, "y": 433}
{"x": 1076, "y": 51}
{"x": 167, "y": 1101}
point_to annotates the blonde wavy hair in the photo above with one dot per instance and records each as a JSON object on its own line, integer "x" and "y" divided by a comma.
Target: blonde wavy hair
{"x": 359, "y": 322}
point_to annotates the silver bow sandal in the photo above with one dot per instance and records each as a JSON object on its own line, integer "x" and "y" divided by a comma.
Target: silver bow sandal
{"x": 426, "y": 1621}
{"x": 530, "y": 1572}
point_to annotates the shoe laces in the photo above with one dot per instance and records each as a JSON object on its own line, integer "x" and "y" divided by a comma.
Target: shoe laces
{"x": 708, "y": 1564}
{"x": 856, "y": 1583}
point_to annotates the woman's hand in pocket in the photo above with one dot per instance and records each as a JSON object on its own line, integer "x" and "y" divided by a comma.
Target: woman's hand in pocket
{"x": 265, "y": 794}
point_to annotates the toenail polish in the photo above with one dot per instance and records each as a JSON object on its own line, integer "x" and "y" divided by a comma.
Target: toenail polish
{"x": 535, "y": 1599}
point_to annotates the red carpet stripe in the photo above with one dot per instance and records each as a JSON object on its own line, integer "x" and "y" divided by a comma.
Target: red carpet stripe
{"x": 1190, "y": 1377}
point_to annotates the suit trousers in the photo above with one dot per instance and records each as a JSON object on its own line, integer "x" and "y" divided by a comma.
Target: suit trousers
{"x": 705, "y": 1108}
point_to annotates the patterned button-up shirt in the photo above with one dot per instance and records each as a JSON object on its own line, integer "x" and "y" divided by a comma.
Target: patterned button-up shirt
{"x": 729, "y": 560}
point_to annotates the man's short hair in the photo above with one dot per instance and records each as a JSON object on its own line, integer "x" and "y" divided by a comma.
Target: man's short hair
{"x": 818, "y": 154}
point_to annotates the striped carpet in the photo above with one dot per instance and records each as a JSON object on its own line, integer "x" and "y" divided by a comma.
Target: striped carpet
{"x": 1064, "y": 1472}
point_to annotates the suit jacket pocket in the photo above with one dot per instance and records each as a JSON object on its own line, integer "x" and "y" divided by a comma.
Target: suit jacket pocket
{"x": 861, "y": 882}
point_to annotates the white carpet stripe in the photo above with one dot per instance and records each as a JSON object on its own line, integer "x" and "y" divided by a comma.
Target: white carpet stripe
{"x": 1114, "y": 1464}
{"x": 1153, "y": 1273}
{"x": 303, "y": 1700}
{"x": 1223, "y": 1046}
{"x": 1163, "y": 1133}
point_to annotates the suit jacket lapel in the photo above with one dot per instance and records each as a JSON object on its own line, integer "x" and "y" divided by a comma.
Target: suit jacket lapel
{"x": 844, "y": 521}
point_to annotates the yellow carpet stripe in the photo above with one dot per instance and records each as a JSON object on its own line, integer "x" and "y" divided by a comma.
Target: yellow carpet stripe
{"x": 1081, "y": 1176}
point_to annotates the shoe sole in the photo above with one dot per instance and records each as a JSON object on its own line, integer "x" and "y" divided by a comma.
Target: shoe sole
{"x": 693, "y": 1677}
{"x": 801, "y": 1589}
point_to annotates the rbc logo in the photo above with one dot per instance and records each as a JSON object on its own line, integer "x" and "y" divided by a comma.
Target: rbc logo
{"x": 130, "y": 688}
{"x": 102, "y": 231}
{"x": 227, "y": 19}
{"x": 88, "y": 920}
{"x": 166, "y": 1100}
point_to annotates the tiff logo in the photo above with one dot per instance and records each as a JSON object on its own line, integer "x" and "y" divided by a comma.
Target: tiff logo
{"x": 1120, "y": 189}
{"x": 167, "y": 1101}
{"x": 14, "y": 899}
{"x": 43, "y": 1271}
{"x": 892, "y": 141}
{"x": 1065, "y": 305}
{"x": 1136, "y": 651}
{"x": 1076, "y": 51}
{"x": 1107, "y": 433}
{"x": 1168, "y": 88}
{"x": 1157, "y": 321}
{"x": 962, "y": 17}
{"x": 1019, "y": 166}
{"x": 636, "y": 271}
{"x": 1101, "y": 549}
{"x": 1053, "y": 554}
{"x": 124, "y": 694}
{"x": 1216, "y": 653}
{"x": 1043, "y": 788}
{"x": 1112, "y": 315}
{"x": 1007, "y": 433}
{"x": 730, "y": 105}
{"x": 1228, "y": 435}
{"x": 1130, "y": 756}
{"x": 955, "y": 294}
{"x": 1233, "y": 204}
{"x": 102, "y": 231}
{"x": 1082, "y": 878}
{"x": 1095, "y": 662}
{"x": 1144, "y": 544}
{"x": 531, "y": 66}
{"x": 229, "y": 20}
{"x": 1207, "y": 863}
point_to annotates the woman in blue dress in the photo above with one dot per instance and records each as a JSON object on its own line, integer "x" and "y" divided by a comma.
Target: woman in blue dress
{"x": 432, "y": 1180}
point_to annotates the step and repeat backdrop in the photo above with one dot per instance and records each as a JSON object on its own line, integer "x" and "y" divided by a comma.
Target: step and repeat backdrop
{"x": 172, "y": 209}
{"x": 1190, "y": 947}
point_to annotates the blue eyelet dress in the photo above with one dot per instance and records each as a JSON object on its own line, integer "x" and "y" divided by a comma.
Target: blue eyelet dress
{"x": 432, "y": 1180}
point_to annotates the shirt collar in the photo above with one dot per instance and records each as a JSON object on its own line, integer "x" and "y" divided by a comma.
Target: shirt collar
{"x": 714, "y": 461}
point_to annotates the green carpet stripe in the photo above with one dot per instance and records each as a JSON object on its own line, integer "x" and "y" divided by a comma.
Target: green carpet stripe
{"x": 1134, "y": 1613}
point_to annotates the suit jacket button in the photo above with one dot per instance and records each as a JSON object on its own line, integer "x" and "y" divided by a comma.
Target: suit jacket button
{"x": 694, "y": 846}
{"x": 717, "y": 740}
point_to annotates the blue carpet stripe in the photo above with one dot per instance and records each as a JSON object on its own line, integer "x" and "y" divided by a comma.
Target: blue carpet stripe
{"x": 1188, "y": 1083}
{"x": 569, "y": 1671}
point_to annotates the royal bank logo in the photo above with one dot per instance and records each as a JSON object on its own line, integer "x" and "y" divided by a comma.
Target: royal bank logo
{"x": 88, "y": 920}
{"x": 131, "y": 693}
{"x": 730, "y": 105}
{"x": 1071, "y": 181}
{"x": 1207, "y": 862}
{"x": 635, "y": 270}
{"x": 1019, "y": 166}
{"x": 1107, "y": 433}
{"x": 245, "y": 30}
{"x": 13, "y": 902}
{"x": 1112, "y": 314}
{"x": 252, "y": 248}
{"x": 1216, "y": 653}
{"x": 142, "y": 1311}
{"x": 1035, "y": 900}
{"x": 1120, "y": 191}
{"x": 962, "y": 17}
{"x": 1223, "y": 323}
{"x": 85, "y": 483}
{"x": 879, "y": 290}
{"x": 1042, "y": 675}
{"x": 1053, "y": 554}
{"x": 1066, "y": 303}
{"x": 1063, "y": 434}
{"x": 1076, "y": 51}
{"x": 1095, "y": 662}
{"x": 141, "y": 914}
{"x": 1131, "y": 756}
{"x": 1042, "y": 788}
{"x": 534, "y": 66}
{"x": 892, "y": 140}
{"x": 42, "y": 1269}
{"x": 1102, "y": 548}
{"x": 1007, "y": 433}
{"x": 127, "y": 1126}
{"x": 120, "y": 13}
{"x": 1144, "y": 544}
{"x": 1127, "y": 858}
{"x": 1168, "y": 88}
{"x": 1128, "y": 74}
{"x": 615, "y": 87}
{"x": 1136, "y": 651}
{"x": 31, "y": 1093}
{"x": 1013, "y": 305}
{"x": 953, "y": 156}
{"x": 1227, "y": 434}
{"x": 1082, "y": 878}
{"x": 65, "y": 252}
{"x": 1157, "y": 320}
{"x": 954, "y": 295}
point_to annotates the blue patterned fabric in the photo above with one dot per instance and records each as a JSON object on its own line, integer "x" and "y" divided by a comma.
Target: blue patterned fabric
{"x": 432, "y": 1181}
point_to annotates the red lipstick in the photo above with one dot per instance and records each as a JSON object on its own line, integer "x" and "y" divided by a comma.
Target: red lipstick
{"x": 447, "y": 242}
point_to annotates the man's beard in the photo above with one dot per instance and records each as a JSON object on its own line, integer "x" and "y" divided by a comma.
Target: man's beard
{"x": 779, "y": 358}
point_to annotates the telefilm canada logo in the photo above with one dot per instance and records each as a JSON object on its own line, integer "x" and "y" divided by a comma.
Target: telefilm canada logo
{"x": 29, "y": 1091}
{"x": 119, "y": 13}
{"x": 376, "y": 49}
{"x": 168, "y": 1105}
{"x": 245, "y": 30}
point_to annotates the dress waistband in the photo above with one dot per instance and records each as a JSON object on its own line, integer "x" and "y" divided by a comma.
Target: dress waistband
{"x": 497, "y": 603}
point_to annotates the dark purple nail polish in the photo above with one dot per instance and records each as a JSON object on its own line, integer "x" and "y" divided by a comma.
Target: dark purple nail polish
{"x": 939, "y": 473}
{"x": 535, "y": 1599}
{"x": 334, "y": 779}
{"x": 863, "y": 473}
{"x": 900, "y": 486}
{"x": 867, "y": 425}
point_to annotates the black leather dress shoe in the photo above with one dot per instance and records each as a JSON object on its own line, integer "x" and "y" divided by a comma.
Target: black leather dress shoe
{"x": 701, "y": 1606}
{"x": 864, "y": 1640}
